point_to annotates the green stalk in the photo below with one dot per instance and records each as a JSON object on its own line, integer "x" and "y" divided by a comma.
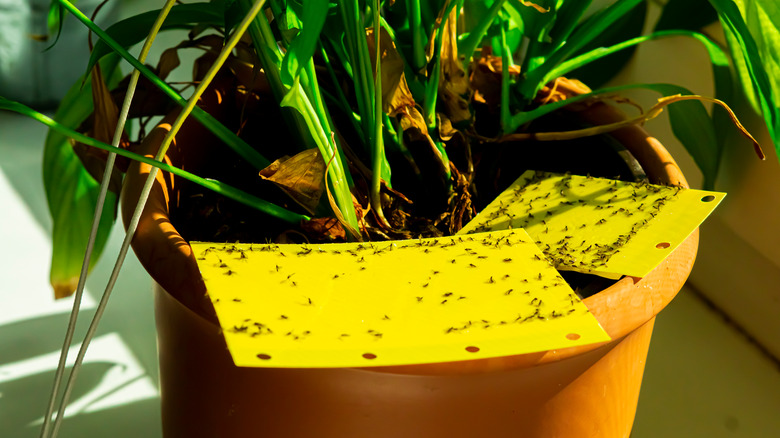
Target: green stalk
{"x": 468, "y": 45}
{"x": 357, "y": 47}
{"x": 418, "y": 35}
{"x": 100, "y": 202}
{"x": 325, "y": 140}
{"x": 432, "y": 90}
{"x": 311, "y": 117}
{"x": 506, "y": 60}
{"x": 271, "y": 62}
{"x": 343, "y": 57}
{"x": 340, "y": 97}
{"x": 378, "y": 151}
{"x": 339, "y": 177}
{"x": 208, "y": 121}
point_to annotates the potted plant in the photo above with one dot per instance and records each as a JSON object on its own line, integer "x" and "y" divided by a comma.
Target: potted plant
{"x": 458, "y": 82}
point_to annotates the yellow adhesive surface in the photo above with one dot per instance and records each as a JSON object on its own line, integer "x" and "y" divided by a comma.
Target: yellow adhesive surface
{"x": 391, "y": 303}
{"x": 605, "y": 227}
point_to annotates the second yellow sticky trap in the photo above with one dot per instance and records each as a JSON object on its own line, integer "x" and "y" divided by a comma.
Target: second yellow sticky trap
{"x": 391, "y": 303}
{"x": 600, "y": 226}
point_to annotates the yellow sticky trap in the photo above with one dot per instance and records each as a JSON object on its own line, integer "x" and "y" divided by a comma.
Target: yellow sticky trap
{"x": 600, "y": 226}
{"x": 391, "y": 303}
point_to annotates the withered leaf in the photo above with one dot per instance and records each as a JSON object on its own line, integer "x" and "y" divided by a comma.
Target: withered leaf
{"x": 486, "y": 78}
{"x": 454, "y": 91}
{"x": 301, "y": 177}
{"x": 325, "y": 228}
{"x": 169, "y": 60}
{"x": 104, "y": 120}
{"x": 395, "y": 90}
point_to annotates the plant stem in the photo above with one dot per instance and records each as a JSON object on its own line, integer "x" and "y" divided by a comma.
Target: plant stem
{"x": 271, "y": 60}
{"x": 340, "y": 97}
{"x": 357, "y": 47}
{"x": 418, "y": 35}
{"x": 506, "y": 60}
{"x": 119, "y": 130}
{"x": 378, "y": 151}
{"x": 468, "y": 45}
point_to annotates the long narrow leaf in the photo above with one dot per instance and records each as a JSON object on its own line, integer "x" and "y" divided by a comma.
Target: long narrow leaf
{"x": 470, "y": 42}
{"x": 567, "y": 14}
{"x": 378, "y": 157}
{"x": 302, "y": 47}
{"x": 601, "y": 52}
{"x": 588, "y": 31}
{"x": 297, "y": 99}
{"x": 597, "y": 74}
{"x": 216, "y": 186}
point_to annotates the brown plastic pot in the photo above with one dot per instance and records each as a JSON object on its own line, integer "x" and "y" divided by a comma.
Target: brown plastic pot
{"x": 588, "y": 391}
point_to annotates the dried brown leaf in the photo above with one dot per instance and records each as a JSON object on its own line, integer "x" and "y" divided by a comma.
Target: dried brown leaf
{"x": 395, "y": 90}
{"x": 104, "y": 119}
{"x": 485, "y": 79}
{"x": 454, "y": 91}
{"x": 301, "y": 177}
{"x": 169, "y": 60}
{"x": 325, "y": 228}
{"x": 535, "y": 6}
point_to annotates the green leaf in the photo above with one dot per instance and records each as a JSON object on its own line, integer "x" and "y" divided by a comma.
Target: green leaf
{"x": 470, "y": 41}
{"x": 54, "y": 21}
{"x": 356, "y": 45}
{"x": 597, "y": 73}
{"x": 717, "y": 56}
{"x": 303, "y": 45}
{"x": 296, "y": 98}
{"x": 583, "y": 35}
{"x": 753, "y": 30}
{"x": 567, "y": 14}
{"x": 133, "y": 30}
{"x": 72, "y": 192}
{"x": 419, "y": 36}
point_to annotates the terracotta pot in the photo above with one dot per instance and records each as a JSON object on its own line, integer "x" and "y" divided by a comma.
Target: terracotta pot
{"x": 588, "y": 391}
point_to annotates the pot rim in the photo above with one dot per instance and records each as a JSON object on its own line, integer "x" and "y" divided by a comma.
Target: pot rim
{"x": 620, "y": 308}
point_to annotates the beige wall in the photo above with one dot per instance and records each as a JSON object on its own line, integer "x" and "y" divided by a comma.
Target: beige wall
{"x": 738, "y": 267}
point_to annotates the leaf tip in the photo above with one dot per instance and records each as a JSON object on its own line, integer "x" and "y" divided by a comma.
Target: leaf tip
{"x": 64, "y": 288}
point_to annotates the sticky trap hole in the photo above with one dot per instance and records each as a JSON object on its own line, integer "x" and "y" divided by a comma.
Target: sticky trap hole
{"x": 472, "y": 349}
{"x": 573, "y": 336}
{"x": 369, "y": 356}
{"x": 708, "y": 198}
{"x": 263, "y": 356}
{"x": 663, "y": 245}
